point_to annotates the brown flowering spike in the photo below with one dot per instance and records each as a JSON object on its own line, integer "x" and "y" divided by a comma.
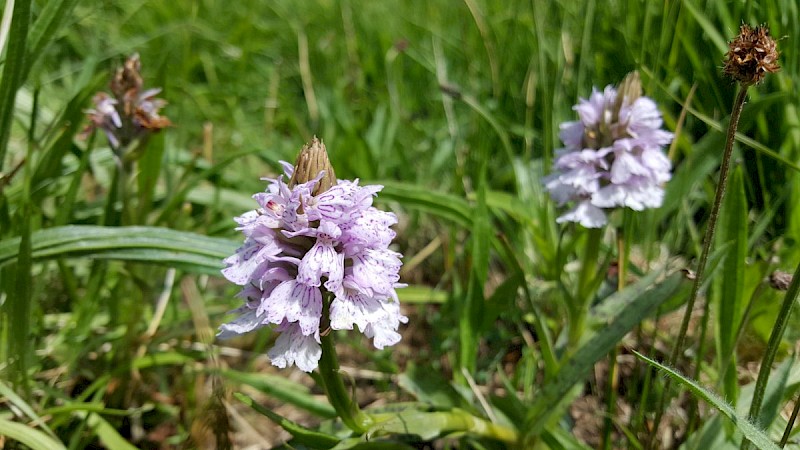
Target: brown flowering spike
{"x": 129, "y": 113}
{"x": 312, "y": 160}
{"x": 127, "y": 80}
{"x": 751, "y": 55}
{"x": 629, "y": 90}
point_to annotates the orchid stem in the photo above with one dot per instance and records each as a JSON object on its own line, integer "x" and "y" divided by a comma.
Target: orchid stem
{"x": 332, "y": 381}
{"x": 612, "y": 383}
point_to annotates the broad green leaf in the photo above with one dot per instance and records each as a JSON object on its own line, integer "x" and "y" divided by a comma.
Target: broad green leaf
{"x": 430, "y": 425}
{"x": 303, "y": 435}
{"x": 31, "y": 437}
{"x": 728, "y": 285}
{"x": 642, "y": 302}
{"x": 150, "y": 244}
{"x": 750, "y": 431}
{"x": 283, "y": 389}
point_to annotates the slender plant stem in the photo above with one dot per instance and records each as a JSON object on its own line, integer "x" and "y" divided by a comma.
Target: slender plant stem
{"x": 586, "y": 279}
{"x": 332, "y": 381}
{"x": 789, "y": 425}
{"x": 772, "y": 349}
{"x": 708, "y": 240}
{"x": 613, "y": 372}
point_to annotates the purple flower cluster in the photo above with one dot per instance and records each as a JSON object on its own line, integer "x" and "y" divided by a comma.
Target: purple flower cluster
{"x": 303, "y": 248}
{"x": 129, "y": 113}
{"x": 613, "y": 157}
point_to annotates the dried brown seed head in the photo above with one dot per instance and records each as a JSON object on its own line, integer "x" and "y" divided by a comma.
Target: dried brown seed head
{"x": 780, "y": 280}
{"x": 751, "y": 55}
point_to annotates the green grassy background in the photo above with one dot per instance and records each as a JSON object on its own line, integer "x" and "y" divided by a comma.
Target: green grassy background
{"x": 454, "y": 106}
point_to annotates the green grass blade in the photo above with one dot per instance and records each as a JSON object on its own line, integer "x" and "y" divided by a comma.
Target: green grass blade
{"x": 11, "y": 397}
{"x": 472, "y": 308}
{"x": 45, "y": 27}
{"x": 748, "y": 429}
{"x": 446, "y": 206}
{"x": 283, "y": 389}
{"x": 54, "y": 152}
{"x": 31, "y": 437}
{"x": 708, "y": 27}
{"x": 19, "y": 307}
{"x": 176, "y": 200}
{"x": 417, "y": 294}
{"x": 106, "y": 433}
{"x": 13, "y": 75}
{"x": 149, "y": 172}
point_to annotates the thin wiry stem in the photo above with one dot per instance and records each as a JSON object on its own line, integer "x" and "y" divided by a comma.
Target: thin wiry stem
{"x": 789, "y": 425}
{"x": 708, "y": 240}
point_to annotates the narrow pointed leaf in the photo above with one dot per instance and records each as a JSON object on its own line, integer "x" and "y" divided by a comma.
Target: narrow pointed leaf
{"x": 303, "y": 435}
{"x": 750, "y": 431}
{"x": 191, "y": 251}
{"x": 283, "y": 389}
{"x": 31, "y": 437}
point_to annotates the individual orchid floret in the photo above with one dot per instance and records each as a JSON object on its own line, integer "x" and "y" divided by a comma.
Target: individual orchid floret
{"x": 316, "y": 257}
{"x": 612, "y": 157}
{"x": 129, "y": 113}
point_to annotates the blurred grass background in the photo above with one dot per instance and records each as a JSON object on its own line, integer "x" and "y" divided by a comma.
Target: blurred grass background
{"x": 453, "y": 105}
